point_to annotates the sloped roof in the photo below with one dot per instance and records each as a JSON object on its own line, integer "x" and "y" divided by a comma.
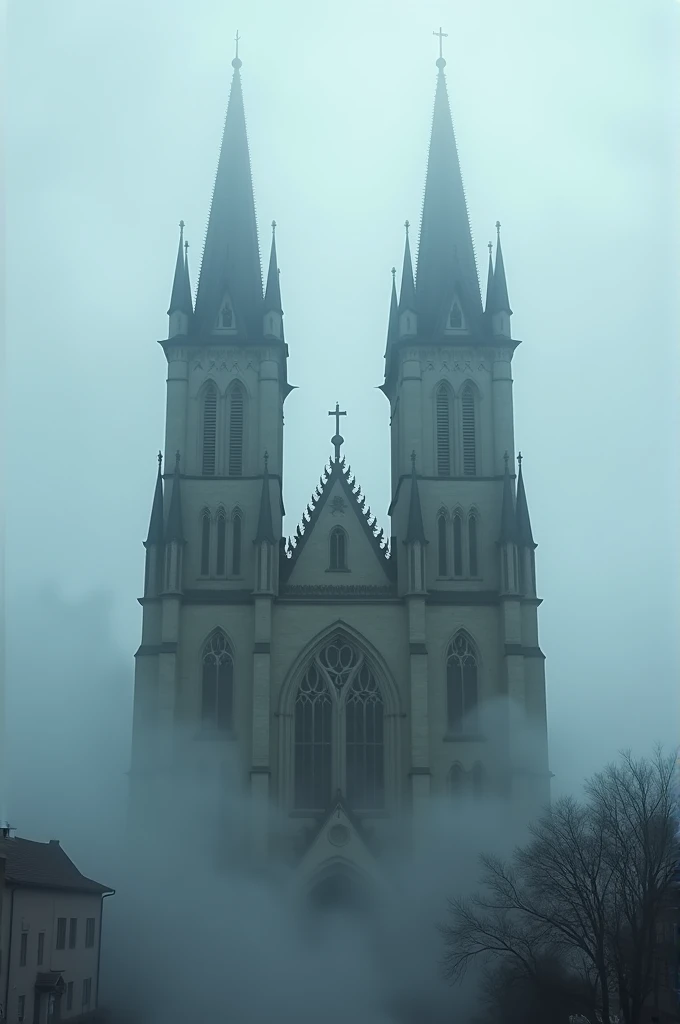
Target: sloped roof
{"x": 44, "y": 866}
{"x": 338, "y": 471}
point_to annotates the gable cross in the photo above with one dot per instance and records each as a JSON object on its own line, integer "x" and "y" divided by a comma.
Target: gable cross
{"x": 337, "y": 440}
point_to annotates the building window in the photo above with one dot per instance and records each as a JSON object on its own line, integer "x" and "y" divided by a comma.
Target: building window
{"x": 89, "y": 932}
{"x": 21, "y": 1008}
{"x": 87, "y": 992}
{"x": 61, "y": 933}
{"x": 218, "y": 683}
{"x": 457, "y": 544}
{"x": 443, "y": 413}
{"x": 69, "y": 996}
{"x": 364, "y": 741}
{"x": 456, "y": 781}
{"x": 72, "y": 933}
{"x": 469, "y": 432}
{"x": 461, "y": 684}
{"x": 313, "y": 721}
{"x": 221, "y": 561}
{"x": 236, "y": 534}
{"x": 455, "y": 317}
{"x": 23, "y": 949}
{"x": 236, "y": 431}
{"x": 442, "y": 553}
{"x": 472, "y": 544}
{"x": 227, "y": 316}
{"x": 41, "y": 948}
{"x": 339, "y": 731}
{"x": 205, "y": 542}
{"x": 209, "y": 430}
{"x": 338, "y": 550}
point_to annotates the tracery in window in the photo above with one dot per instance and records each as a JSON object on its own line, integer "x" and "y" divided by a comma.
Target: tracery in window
{"x": 364, "y": 742}
{"x": 461, "y": 684}
{"x": 313, "y": 749}
{"x": 217, "y": 683}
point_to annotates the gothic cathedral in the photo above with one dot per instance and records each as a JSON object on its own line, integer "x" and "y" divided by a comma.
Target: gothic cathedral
{"x": 354, "y": 676}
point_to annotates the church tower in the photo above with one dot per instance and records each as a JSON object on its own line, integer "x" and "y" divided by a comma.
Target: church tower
{"x": 352, "y": 673}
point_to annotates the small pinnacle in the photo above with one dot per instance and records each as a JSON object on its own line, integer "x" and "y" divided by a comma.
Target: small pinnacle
{"x": 407, "y": 225}
{"x": 186, "y": 247}
{"x": 506, "y": 459}
{"x": 266, "y": 459}
{"x": 273, "y": 227}
{"x": 498, "y": 226}
{"x": 236, "y": 63}
{"x": 413, "y": 458}
{"x": 181, "y": 225}
{"x": 519, "y": 459}
{"x": 160, "y": 459}
{"x": 489, "y": 247}
{"x": 394, "y": 271}
{"x": 177, "y": 459}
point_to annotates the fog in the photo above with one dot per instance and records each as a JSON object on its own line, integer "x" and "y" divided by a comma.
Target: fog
{"x": 567, "y": 126}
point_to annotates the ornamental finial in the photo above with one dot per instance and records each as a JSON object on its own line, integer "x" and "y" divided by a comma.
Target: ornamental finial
{"x": 441, "y": 63}
{"x": 236, "y": 63}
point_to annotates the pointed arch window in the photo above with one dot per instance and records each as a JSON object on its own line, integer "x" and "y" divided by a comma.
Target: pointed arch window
{"x": 472, "y": 545}
{"x": 338, "y": 550}
{"x": 457, "y": 544}
{"x": 236, "y": 543}
{"x": 339, "y": 741}
{"x": 205, "y": 542}
{"x": 461, "y": 684}
{"x": 217, "y": 683}
{"x": 456, "y": 781}
{"x": 236, "y": 416}
{"x": 209, "y": 431}
{"x": 455, "y": 317}
{"x": 443, "y": 430}
{"x": 221, "y": 559}
{"x": 469, "y": 412}
{"x": 442, "y": 546}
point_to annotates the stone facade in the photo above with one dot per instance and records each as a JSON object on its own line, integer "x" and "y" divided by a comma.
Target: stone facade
{"x": 437, "y": 621}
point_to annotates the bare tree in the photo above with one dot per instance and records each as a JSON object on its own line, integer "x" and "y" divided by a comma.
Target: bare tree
{"x": 588, "y": 888}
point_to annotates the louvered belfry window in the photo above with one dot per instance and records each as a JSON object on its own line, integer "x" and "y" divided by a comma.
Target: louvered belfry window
{"x": 209, "y": 431}
{"x": 236, "y": 432}
{"x": 443, "y": 432}
{"x": 469, "y": 433}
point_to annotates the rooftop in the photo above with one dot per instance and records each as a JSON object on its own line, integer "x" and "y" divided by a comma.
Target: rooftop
{"x": 44, "y": 866}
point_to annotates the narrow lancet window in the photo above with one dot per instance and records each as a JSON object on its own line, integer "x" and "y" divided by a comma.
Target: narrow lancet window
{"x": 236, "y": 531}
{"x": 469, "y": 432}
{"x": 221, "y": 560}
{"x": 205, "y": 542}
{"x": 236, "y": 431}
{"x": 338, "y": 550}
{"x": 442, "y": 553}
{"x": 218, "y": 683}
{"x": 209, "y": 431}
{"x": 364, "y": 742}
{"x": 461, "y": 684}
{"x": 443, "y": 427}
{"x": 457, "y": 545}
{"x": 313, "y": 747}
{"x": 472, "y": 545}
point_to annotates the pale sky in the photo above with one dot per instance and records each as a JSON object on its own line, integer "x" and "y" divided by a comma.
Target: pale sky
{"x": 567, "y": 121}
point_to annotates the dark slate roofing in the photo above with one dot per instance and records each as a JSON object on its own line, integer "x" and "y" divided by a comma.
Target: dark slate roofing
{"x": 231, "y": 254}
{"x": 489, "y": 282}
{"x": 407, "y": 292}
{"x": 446, "y": 255}
{"x": 180, "y": 300}
{"x": 173, "y": 528}
{"x": 43, "y": 866}
{"x": 50, "y": 981}
{"x": 272, "y": 295}
{"x": 524, "y": 534}
{"x": 415, "y": 531}
{"x": 500, "y": 303}
{"x": 508, "y": 534}
{"x": 155, "y": 534}
{"x": 339, "y": 470}
{"x": 265, "y": 527}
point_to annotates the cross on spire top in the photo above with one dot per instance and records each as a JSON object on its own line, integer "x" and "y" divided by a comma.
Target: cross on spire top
{"x": 236, "y": 62}
{"x": 337, "y": 440}
{"x": 441, "y": 63}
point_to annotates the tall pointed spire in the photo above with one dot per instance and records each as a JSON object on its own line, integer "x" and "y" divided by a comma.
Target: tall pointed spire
{"x": 489, "y": 281}
{"x": 180, "y": 300}
{"x": 407, "y": 292}
{"x": 393, "y": 322}
{"x": 500, "y": 303}
{"x": 174, "y": 530}
{"x": 231, "y": 256}
{"x": 524, "y": 535}
{"x": 508, "y": 534}
{"x": 155, "y": 534}
{"x": 446, "y": 256}
{"x": 265, "y": 527}
{"x": 272, "y": 295}
{"x": 415, "y": 531}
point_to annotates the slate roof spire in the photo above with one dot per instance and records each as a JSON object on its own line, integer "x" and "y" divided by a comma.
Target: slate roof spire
{"x": 231, "y": 255}
{"x": 489, "y": 282}
{"x": 415, "y": 531}
{"x": 500, "y": 303}
{"x": 446, "y": 255}
{"x": 508, "y": 534}
{"x": 407, "y": 292}
{"x": 272, "y": 295}
{"x": 155, "y": 534}
{"x": 524, "y": 535}
{"x": 393, "y": 322}
{"x": 265, "y": 527}
{"x": 174, "y": 530}
{"x": 180, "y": 300}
